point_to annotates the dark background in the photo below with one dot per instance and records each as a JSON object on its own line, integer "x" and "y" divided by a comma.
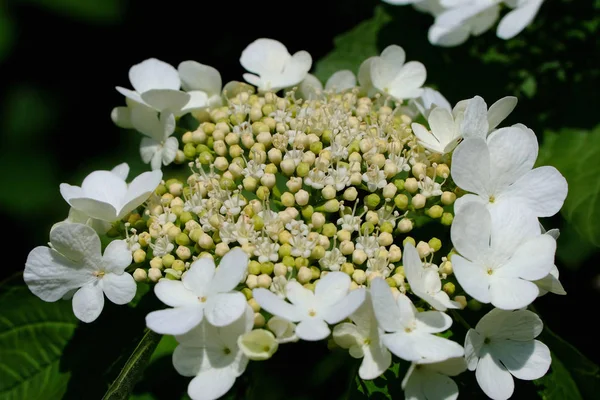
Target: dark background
{"x": 60, "y": 61}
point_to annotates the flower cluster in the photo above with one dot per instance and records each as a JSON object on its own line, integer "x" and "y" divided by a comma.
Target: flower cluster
{"x": 313, "y": 202}
{"x": 456, "y": 20}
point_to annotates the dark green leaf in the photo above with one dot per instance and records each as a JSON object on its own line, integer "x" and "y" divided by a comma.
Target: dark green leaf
{"x": 99, "y": 11}
{"x": 558, "y": 384}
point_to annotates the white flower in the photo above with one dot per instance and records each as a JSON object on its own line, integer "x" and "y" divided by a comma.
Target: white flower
{"x": 74, "y": 262}
{"x": 412, "y": 333}
{"x": 431, "y": 381}
{"x": 338, "y": 82}
{"x": 212, "y": 356}
{"x": 445, "y": 133}
{"x": 272, "y": 67}
{"x": 374, "y": 178}
{"x": 156, "y": 85}
{"x": 429, "y": 99}
{"x": 363, "y": 340}
{"x": 283, "y": 329}
{"x": 501, "y": 346}
{"x": 199, "y": 77}
{"x": 258, "y": 344}
{"x": 332, "y": 260}
{"x": 159, "y": 147}
{"x": 523, "y": 13}
{"x": 425, "y": 282}
{"x": 500, "y": 255}
{"x": 329, "y": 304}
{"x": 202, "y": 292}
{"x": 499, "y": 170}
{"x": 79, "y": 217}
{"x": 106, "y": 196}
{"x": 389, "y": 74}
{"x": 550, "y": 282}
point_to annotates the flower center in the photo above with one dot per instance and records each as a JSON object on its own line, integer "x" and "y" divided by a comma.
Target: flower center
{"x": 202, "y": 299}
{"x": 492, "y": 199}
{"x": 487, "y": 340}
{"x": 99, "y": 274}
{"x": 490, "y": 271}
{"x": 227, "y": 350}
{"x": 312, "y": 312}
{"x": 408, "y": 330}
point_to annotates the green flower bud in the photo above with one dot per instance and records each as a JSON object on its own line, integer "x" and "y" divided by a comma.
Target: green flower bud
{"x": 302, "y": 169}
{"x": 317, "y": 253}
{"x": 326, "y": 136}
{"x": 329, "y": 230}
{"x": 288, "y": 199}
{"x": 399, "y": 184}
{"x": 449, "y": 288}
{"x": 208, "y": 127}
{"x": 474, "y": 305}
{"x": 316, "y": 272}
{"x": 262, "y": 192}
{"x": 347, "y": 268}
{"x": 185, "y": 217}
{"x": 372, "y": 201}
{"x": 401, "y": 201}
{"x": 410, "y": 240}
{"x": 267, "y": 268}
{"x": 367, "y": 227}
{"x": 268, "y": 109}
{"x": 391, "y": 282}
{"x": 168, "y": 260}
{"x": 316, "y": 147}
{"x": 307, "y": 212}
{"x": 205, "y": 158}
{"x": 301, "y": 262}
{"x": 289, "y": 261}
{"x": 435, "y": 244}
{"x": 247, "y": 292}
{"x": 435, "y": 211}
{"x": 195, "y": 234}
{"x": 160, "y": 190}
{"x": 258, "y": 127}
{"x": 354, "y": 147}
{"x": 258, "y": 222}
{"x": 386, "y": 227}
{"x": 178, "y": 265}
{"x": 331, "y": 206}
{"x": 227, "y": 184}
{"x": 447, "y": 219}
{"x": 189, "y": 150}
{"x": 254, "y": 267}
{"x": 182, "y": 239}
{"x": 285, "y": 250}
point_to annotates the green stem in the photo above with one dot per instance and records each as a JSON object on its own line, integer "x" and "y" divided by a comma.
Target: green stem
{"x": 460, "y": 319}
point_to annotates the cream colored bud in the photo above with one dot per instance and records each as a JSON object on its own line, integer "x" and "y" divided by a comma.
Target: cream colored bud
{"x": 259, "y": 321}
{"x": 398, "y": 279}
{"x": 268, "y": 180}
{"x": 359, "y": 257}
{"x": 198, "y": 136}
{"x": 365, "y": 145}
{"x": 356, "y": 178}
{"x": 254, "y": 305}
{"x": 288, "y": 167}
{"x": 448, "y": 198}
{"x": 355, "y": 166}
{"x": 256, "y": 113}
{"x": 218, "y": 135}
{"x": 275, "y": 156}
{"x": 318, "y": 219}
{"x": 280, "y": 269}
{"x": 350, "y": 194}
{"x": 378, "y": 159}
{"x": 329, "y": 192}
{"x": 157, "y": 263}
{"x": 252, "y": 281}
{"x": 172, "y": 231}
{"x": 385, "y": 239}
{"x": 287, "y": 199}
{"x": 405, "y": 225}
{"x": 139, "y": 256}
{"x": 250, "y": 183}
{"x": 442, "y": 170}
{"x": 309, "y": 157}
{"x": 372, "y": 217}
{"x": 446, "y": 268}
{"x": 355, "y": 158}
{"x": 284, "y": 236}
{"x": 419, "y": 170}
{"x": 154, "y": 274}
{"x": 264, "y": 281}
{"x": 294, "y": 184}
{"x": 418, "y": 201}
{"x": 264, "y": 138}
{"x": 304, "y": 275}
{"x": 395, "y": 253}
{"x": 462, "y": 300}
{"x": 206, "y": 242}
{"x": 140, "y": 275}
{"x": 292, "y": 211}
{"x": 389, "y": 191}
{"x": 302, "y": 197}
{"x": 220, "y": 147}
{"x": 344, "y": 235}
{"x": 411, "y": 185}
{"x": 180, "y": 157}
{"x": 144, "y": 239}
{"x": 247, "y": 140}
{"x": 390, "y": 169}
{"x": 183, "y": 252}
{"x": 324, "y": 241}
{"x": 359, "y": 276}
{"x": 347, "y": 247}
{"x": 221, "y": 163}
{"x": 221, "y": 249}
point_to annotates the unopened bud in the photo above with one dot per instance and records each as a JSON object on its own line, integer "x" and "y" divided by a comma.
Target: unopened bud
{"x": 154, "y": 274}
{"x": 140, "y": 275}
{"x": 418, "y": 201}
{"x": 350, "y": 194}
{"x": 448, "y": 198}
{"x": 405, "y": 225}
{"x": 411, "y": 185}
{"x": 359, "y": 257}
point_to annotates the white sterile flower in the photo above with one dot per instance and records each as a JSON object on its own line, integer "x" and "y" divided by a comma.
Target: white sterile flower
{"x": 272, "y": 67}
{"x": 429, "y": 188}
{"x": 499, "y": 170}
{"x": 202, "y": 292}
{"x": 431, "y": 381}
{"x": 74, "y": 262}
{"x": 266, "y": 250}
{"x": 430, "y": 99}
{"x": 283, "y": 329}
{"x": 411, "y": 334}
{"x": 79, "y": 217}
{"x": 310, "y": 87}
{"x": 162, "y": 246}
{"x": 392, "y": 76}
{"x": 199, "y": 77}
{"x": 329, "y": 304}
{"x": 523, "y": 13}
{"x": 454, "y": 25}
{"x": 106, "y": 196}
{"x": 550, "y": 282}
{"x": 338, "y": 177}
{"x": 212, "y": 356}
{"x": 156, "y": 85}
{"x": 363, "y": 340}
{"x": 500, "y": 255}
{"x": 445, "y": 133}
{"x": 425, "y": 282}
{"x": 159, "y": 147}
{"x": 332, "y": 260}
{"x": 477, "y": 120}
{"x": 374, "y": 178}
{"x": 351, "y": 222}
{"x": 340, "y": 81}
{"x": 501, "y": 346}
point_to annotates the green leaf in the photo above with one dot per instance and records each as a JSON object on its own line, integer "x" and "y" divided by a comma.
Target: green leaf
{"x": 33, "y": 335}
{"x": 134, "y": 367}
{"x": 353, "y": 47}
{"x": 98, "y": 11}
{"x": 387, "y": 386}
{"x": 575, "y": 154}
{"x": 558, "y": 384}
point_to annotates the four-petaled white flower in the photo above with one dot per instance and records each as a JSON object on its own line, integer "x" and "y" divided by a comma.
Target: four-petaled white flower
{"x": 159, "y": 147}
{"x": 411, "y": 334}
{"x": 106, "y": 196}
{"x": 425, "y": 282}
{"x": 204, "y": 78}
{"x": 389, "y": 74}
{"x": 156, "y": 85}
{"x": 203, "y": 292}
{"x": 432, "y": 381}
{"x": 499, "y": 170}
{"x": 363, "y": 340}
{"x": 329, "y": 304}
{"x": 272, "y": 66}
{"x": 74, "y": 261}
{"x": 430, "y": 99}
{"x": 503, "y": 345}
{"x": 499, "y": 256}
{"x": 338, "y": 82}
{"x": 523, "y": 13}
{"x": 212, "y": 356}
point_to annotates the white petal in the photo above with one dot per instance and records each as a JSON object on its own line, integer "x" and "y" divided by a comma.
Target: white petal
{"x": 385, "y": 308}
{"x": 120, "y": 289}
{"x": 258, "y": 344}
{"x": 146, "y": 121}
{"x": 198, "y": 100}
{"x": 532, "y": 260}
{"x": 512, "y": 225}
{"x": 347, "y": 335}
{"x": 524, "y": 360}
{"x": 156, "y": 161}
{"x": 117, "y": 257}
{"x": 174, "y": 293}
{"x": 421, "y": 347}
{"x": 188, "y": 360}
{"x": 413, "y": 268}
{"x": 364, "y": 74}
{"x": 77, "y": 242}
{"x": 511, "y": 293}
{"x": 121, "y": 170}
{"x": 153, "y": 74}
{"x": 468, "y": 198}
{"x": 426, "y": 138}
{"x": 299, "y": 296}
{"x": 433, "y": 321}
{"x": 407, "y": 83}
{"x": 473, "y": 344}
{"x": 199, "y": 277}
{"x": 495, "y": 381}
{"x": 139, "y": 190}
{"x": 470, "y": 231}
{"x": 69, "y": 192}
{"x": 475, "y": 123}
{"x": 229, "y": 334}
{"x": 394, "y": 55}
{"x": 485, "y": 19}
{"x": 276, "y": 306}
{"x": 550, "y": 283}
{"x": 442, "y": 125}
{"x": 448, "y": 36}
{"x": 131, "y": 95}
{"x": 196, "y": 76}
{"x": 332, "y": 288}
{"x": 95, "y": 209}
{"x": 211, "y": 384}
{"x": 231, "y": 271}
{"x": 309, "y": 86}
{"x": 264, "y": 56}
{"x": 169, "y": 151}
{"x": 312, "y": 329}
{"x": 543, "y": 190}
{"x": 175, "y": 321}
{"x": 450, "y": 367}
{"x": 121, "y": 116}
{"x": 88, "y": 302}
{"x": 512, "y": 152}
{"x": 439, "y": 386}
{"x": 518, "y": 19}
{"x": 473, "y": 278}
{"x": 167, "y": 100}
{"x": 376, "y": 361}
{"x": 500, "y": 110}
{"x": 471, "y": 166}
{"x": 148, "y": 149}
{"x": 254, "y": 80}
{"x": 295, "y": 69}
{"x": 346, "y": 306}
{"x": 341, "y": 80}
{"x": 282, "y": 328}
{"x": 431, "y": 99}
{"x": 519, "y": 325}
{"x": 104, "y": 186}
{"x": 50, "y": 276}
{"x": 224, "y": 308}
